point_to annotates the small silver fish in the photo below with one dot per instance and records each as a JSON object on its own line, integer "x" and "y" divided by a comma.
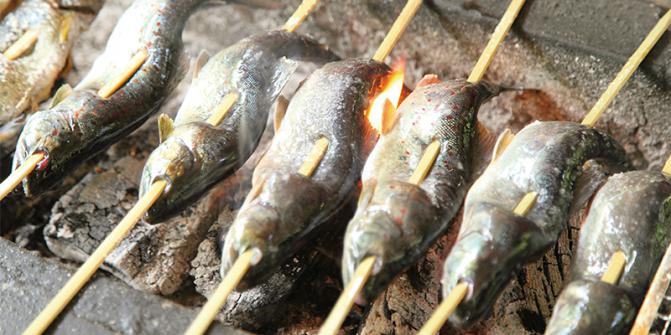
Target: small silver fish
{"x": 630, "y": 213}
{"x": 397, "y": 221}
{"x": 544, "y": 157}
{"x": 196, "y": 154}
{"x": 290, "y": 208}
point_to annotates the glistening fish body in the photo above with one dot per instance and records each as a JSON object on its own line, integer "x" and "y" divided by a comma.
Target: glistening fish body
{"x": 291, "y": 208}
{"x": 544, "y": 157}
{"x": 397, "y": 221}
{"x": 197, "y": 154}
{"x": 631, "y": 213}
{"x": 28, "y": 80}
{"x": 84, "y": 123}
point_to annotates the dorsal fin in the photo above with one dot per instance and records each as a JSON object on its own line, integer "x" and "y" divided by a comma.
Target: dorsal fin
{"x": 502, "y": 143}
{"x": 63, "y": 92}
{"x": 199, "y": 62}
{"x": 280, "y": 110}
{"x": 165, "y": 127}
{"x": 64, "y": 29}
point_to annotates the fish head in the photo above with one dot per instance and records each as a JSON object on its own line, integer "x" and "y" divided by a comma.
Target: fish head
{"x": 174, "y": 162}
{"x": 592, "y": 307}
{"x": 393, "y": 226}
{"x": 53, "y": 134}
{"x": 486, "y": 257}
{"x": 273, "y": 224}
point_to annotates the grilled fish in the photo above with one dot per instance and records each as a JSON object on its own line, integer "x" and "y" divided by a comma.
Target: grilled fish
{"x": 83, "y": 123}
{"x": 28, "y": 80}
{"x": 545, "y": 157}
{"x": 397, "y": 221}
{"x": 637, "y": 222}
{"x": 291, "y": 208}
{"x": 196, "y": 154}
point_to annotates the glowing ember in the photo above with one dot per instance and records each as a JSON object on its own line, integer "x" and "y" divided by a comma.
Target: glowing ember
{"x": 383, "y": 108}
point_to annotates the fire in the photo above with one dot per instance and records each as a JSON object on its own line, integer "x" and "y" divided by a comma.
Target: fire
{"x": 382, "y": 110}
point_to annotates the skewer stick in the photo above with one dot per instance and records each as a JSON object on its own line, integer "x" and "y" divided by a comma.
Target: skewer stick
{"x": 133, "y": 66}
{"x": 222, "y": 110}
{"x": 497, "y": 37}
{"x": 666, "y": 170}
{"x": 218, "y": 298}
{"x": 21, "y": 172}
{"x": 397, "y": 29}
{"x": 318, "y": 151}
{"x": 653, "y": 299}
{"x": 524, "y": 206}
{"x": 444, "y": 310}
{"x": 425, "y": 163}
{"x": 301, "y": 13}
{"x": 86, "y": 271}
{"x": 23, "y": 44}
{"x": 627, "y": 70}
{"x": 249, "y": 257}
{"x": 346, "y": 299}
{"x": 615, "y": 267}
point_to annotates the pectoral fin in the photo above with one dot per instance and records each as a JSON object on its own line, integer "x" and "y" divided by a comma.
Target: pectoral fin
{"x": 165, "y": 127}
{"x": 63, "y": 92}
{"x": 280, "y": 109}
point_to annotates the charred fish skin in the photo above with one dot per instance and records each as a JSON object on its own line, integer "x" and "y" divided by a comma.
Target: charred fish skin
{"x": 291, "y": 208}
{"x": 637, "y": 222}
{"x": 28, "y": 80}
{"x": 84, "y": 123}
{"x": 397, "y": 221}
{"x": 197, "y": 155}
{"x": 544, "y": 157}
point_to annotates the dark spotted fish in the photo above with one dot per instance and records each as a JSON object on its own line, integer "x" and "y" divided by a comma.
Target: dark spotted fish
{"x": 83, "y": 123}
{"x": 290, "y": 207}
{"x": 28, "y": 80}
{"x": 196, "y": 154}
{"x": 545, "y": 157}
{"x": 397, "y": 221}
{"x": 631, "y": 213}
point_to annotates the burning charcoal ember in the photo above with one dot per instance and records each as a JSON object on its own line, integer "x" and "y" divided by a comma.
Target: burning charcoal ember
{"x": 105, "y": 307}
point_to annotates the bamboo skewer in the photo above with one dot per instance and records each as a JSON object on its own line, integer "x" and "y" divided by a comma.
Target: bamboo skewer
{"x": 86, "y": 271}
{"x": 526, "y": 204}
{"x": 222, "y": 110}
{"x": 346, "y": 299}
{"x": 627, "y": 70}
{"x": 22, "y": 45}
{"x": 14, "y": 179}
{"x": 315, "y": 157}
{"x": 615, "y": 268}
{"x": 425, "y": 163}
{"x": 132, "y": 67}
{"x": 495, "y": 41}
{"x": 666, "y": 170}
{"x": 653, "y": 299}
{"x": 397, "y": 30}
{"x": 444, "y": 310}
{"x": 301, "y": 13}
{"x": 218, "y": 298}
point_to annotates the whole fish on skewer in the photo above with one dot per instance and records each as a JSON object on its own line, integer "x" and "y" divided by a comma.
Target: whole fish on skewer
{"x": 631, "y": 213}
{"x": 547, "y": 158}
{"x": 397, "y": 221}
{"x": 291, "y": 208}
{"x": 28, "y": 80}
{"x": 82, "y": 123}
{"x": 195, "y": 154}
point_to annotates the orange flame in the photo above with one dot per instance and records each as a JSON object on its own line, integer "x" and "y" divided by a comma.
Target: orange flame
{"x": 382, "y": 110}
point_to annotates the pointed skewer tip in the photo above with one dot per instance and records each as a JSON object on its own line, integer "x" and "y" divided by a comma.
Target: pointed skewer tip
{"x": 444, "y": 310}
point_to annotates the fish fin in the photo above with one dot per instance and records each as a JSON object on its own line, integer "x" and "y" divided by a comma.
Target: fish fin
{"x": 64, "y": 29}
{"x": 484, "y": 142}
{"x": 165, "y": 127}
{"x": 198, "y": 64}
{"x": 427, "y": 80}
{"x": 280, "y": 109}
{"x": 594, "y": 174}
{"x": 63, "y": 92}
{"x": 502, "y": 143}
